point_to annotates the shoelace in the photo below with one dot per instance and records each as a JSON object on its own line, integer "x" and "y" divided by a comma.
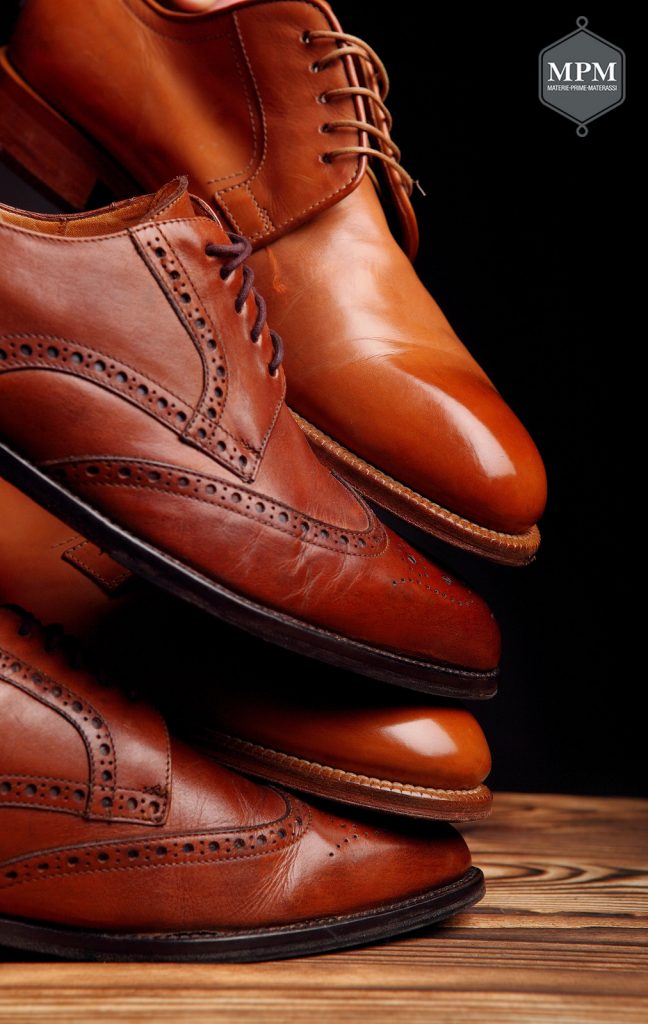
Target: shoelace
{"x": 55, "y": 638}
{"x": 375, "y": 90}
{"x": 236, "y": 254}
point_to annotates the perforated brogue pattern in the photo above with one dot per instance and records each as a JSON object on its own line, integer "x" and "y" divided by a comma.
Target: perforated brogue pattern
{"x": 204, "y": 429}
{"x": 163, "y": 851}
{"x": 419, "y": 573}
{"x": 231, "y": 497}
{"x": 71, "y": 796}
{"x": 102, "y": 798}
{"x": 45, "y": 352}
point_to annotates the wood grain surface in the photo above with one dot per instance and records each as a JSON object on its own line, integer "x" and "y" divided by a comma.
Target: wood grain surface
{"x": 561, "y": 936}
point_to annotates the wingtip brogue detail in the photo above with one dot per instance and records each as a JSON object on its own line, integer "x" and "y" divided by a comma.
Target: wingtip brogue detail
{"x": 212, "y": 426}
{"x": 237, "y": 500}
{"x": 290, "y": 156}
{"x": 105, "y": 795}
{"x": 113, "y": 443}
{"x": 233, "y": 870}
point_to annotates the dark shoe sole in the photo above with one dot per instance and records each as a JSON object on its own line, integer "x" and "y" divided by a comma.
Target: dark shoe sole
{"x": 274, "y": 626}
{"x": 341, "y": 786}
{"x": 321, "y": 935}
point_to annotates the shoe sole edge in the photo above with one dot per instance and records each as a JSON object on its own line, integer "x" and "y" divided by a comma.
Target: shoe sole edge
{"x": 276, "y": 627}
{"x": 343, "y": 786}
{"x": 318, "y": 935}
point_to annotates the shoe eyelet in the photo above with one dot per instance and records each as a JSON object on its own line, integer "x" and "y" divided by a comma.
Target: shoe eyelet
{"x": 325, "y": 128}
{"x": 306, "y": 37}
{"x": 315, "y": 68}
{"x": 322, "y": 98}
{"x": 325, "y": 158}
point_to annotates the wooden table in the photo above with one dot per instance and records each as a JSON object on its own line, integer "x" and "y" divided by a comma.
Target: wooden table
{"x": 560, "y": 936}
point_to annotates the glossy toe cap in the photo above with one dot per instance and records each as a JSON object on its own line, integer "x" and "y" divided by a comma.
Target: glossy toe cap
{"x": 358, "y": 730}
{"x": 453, "y": 439}
{"x": 479, "y": 460}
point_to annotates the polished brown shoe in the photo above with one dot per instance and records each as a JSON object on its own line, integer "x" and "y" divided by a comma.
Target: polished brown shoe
{"x": 117, "y": 843}
{"x": 285, "y": 141}
{"x": 142, "y": 401}
{"x": 329, "y": 736}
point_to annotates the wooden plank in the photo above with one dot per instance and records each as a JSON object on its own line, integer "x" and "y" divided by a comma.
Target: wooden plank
{"x": 561, "y": 936}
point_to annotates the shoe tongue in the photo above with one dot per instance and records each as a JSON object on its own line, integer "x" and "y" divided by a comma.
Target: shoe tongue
{"x": 173, "y": 200}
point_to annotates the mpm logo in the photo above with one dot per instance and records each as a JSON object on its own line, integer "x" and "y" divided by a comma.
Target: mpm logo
{"x": 582, "y": 76}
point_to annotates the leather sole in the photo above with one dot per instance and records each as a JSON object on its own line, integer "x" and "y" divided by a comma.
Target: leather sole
{"x": 319, "y": 935}
{"x": 166, "y": 572}
{"x": 63, "y": 161}
{"x": 341, "y": 786}
{"x": 426, "y": 515}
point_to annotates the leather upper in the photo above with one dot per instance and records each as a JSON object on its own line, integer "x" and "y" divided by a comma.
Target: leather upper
{"x": 248, "y": 122}
{"x": 107, "y": 823}
{"x": 127, "y": 372}
{"x": 363, "y": 729}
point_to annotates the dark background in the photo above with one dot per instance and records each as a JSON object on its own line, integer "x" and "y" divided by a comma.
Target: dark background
{"x": 524, "y": 244}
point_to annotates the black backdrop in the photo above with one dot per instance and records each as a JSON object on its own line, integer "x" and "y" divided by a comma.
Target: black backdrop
{"x": 523, "y": 243}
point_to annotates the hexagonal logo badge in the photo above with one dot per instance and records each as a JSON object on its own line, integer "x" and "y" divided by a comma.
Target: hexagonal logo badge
{"x": 582, "y": 76}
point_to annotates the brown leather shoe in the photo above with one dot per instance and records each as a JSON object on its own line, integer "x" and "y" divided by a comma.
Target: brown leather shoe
{"x": 332, "y": 737}
{"x": 119, "y": 844}
{"x": 141, "y": 399}
{"x": 277, "y": 139}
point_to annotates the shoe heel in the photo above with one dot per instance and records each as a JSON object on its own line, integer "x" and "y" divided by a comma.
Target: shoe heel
{"x": 48, "y": 150}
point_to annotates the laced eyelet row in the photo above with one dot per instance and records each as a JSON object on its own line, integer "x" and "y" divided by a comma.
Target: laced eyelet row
{"x": 373, "y": 88}
{"x": 235, "y": 256}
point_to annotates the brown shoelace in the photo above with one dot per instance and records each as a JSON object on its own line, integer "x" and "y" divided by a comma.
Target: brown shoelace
{"x": 235, "y": 255}
{"x": 55, "y": 638}
{"x": 374, "y": 91}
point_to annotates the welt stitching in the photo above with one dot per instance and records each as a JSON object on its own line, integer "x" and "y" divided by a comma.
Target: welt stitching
{"x": 373, "y": 782}
{"x": 330, "y": 445}
{"x": 247, "y": 515}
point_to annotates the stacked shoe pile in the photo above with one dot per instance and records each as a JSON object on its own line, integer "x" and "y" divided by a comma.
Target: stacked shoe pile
{"x": 143, "y": 421}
